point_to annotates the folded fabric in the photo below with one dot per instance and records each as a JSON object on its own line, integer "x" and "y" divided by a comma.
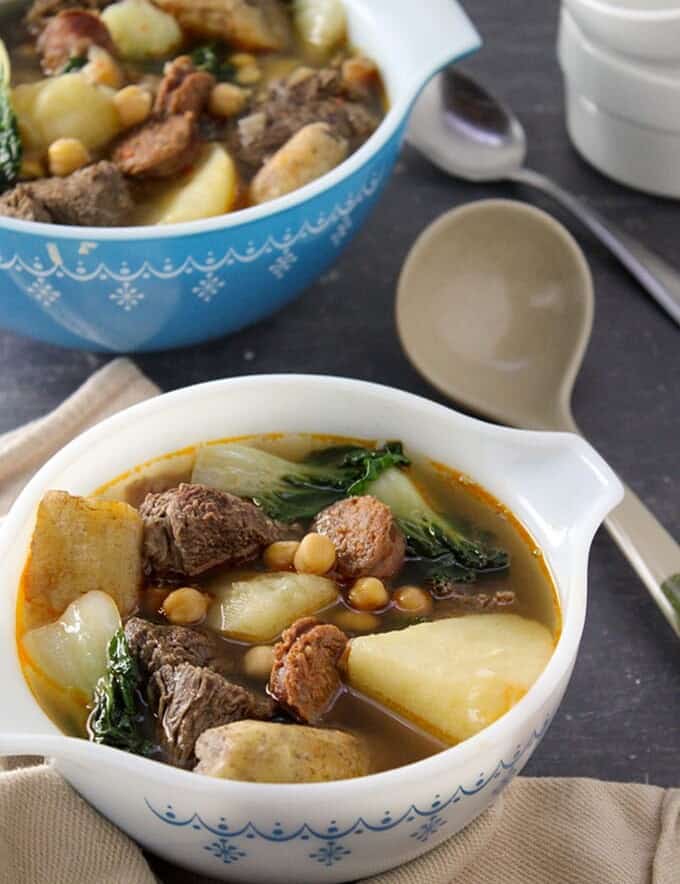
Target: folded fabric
{"x": 540, "y": 831}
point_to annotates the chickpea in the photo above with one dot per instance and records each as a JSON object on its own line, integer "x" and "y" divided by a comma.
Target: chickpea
{"x": 356, "y": 621}
{"x": 248, "y": 75}
{"x": 186, "y": 605}
{"x": 65, "y": 155}
{"x": 133, "y": 105}
{"x": 258, "y": 661}
{"x": 227, "y": 100}
{"x": 242, "y": 59}
{"x": 359, "y": 72}
{"x": 102, "y": 69}
{"x": 368, "y": 594}
{"x": 315, "y": 554}
{"x": 413, "y": 600}
{"x": 280, "y": 556}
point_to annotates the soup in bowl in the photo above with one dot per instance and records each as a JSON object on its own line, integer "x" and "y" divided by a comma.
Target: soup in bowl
{"x": 196, "y": 182}
{"x": 271, "y": 631}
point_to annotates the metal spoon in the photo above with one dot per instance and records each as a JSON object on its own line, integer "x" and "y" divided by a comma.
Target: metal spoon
{"x": 495, "y": 308}
{"x": 468, "y": 133}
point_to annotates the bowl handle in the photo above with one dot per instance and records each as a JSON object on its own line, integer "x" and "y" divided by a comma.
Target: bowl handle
{"x": 427, "y": 35}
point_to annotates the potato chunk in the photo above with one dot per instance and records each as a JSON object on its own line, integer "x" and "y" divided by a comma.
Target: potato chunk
{"x": 452, "y": 677}
{"x": 68, "y": 106}
{"x": 207, "y": 190}
{"x": 140, "y": 30}
{"x": 259, "y": 608}
{"x": 264, "y": 752}
{"x": 81, "y": 544}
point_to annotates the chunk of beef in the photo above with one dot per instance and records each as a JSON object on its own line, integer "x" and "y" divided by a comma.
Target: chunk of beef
{"x": 159, "y": 148}
{"x": 368, "y": 542}
{"x": 260, "y": 25}
{"x": 189, "y": 700}
{"x": 71, "y": 33}
{"x": 20, "y": 202}
{"x": 183, "y": 88}
{"x": 305, "y": 677}
{"x": 154, "y": 646}
{"x": 290, "y": 104}
{"x": 96, "y": 196}
{"x": 41, "y": 11}
{"x": 192, "y": 528}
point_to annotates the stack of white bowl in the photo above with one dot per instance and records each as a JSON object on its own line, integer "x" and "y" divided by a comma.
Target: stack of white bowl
{"x": 621, "y": 66}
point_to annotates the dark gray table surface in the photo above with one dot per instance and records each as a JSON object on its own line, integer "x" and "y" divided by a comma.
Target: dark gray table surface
{"x": 621, "y": 716}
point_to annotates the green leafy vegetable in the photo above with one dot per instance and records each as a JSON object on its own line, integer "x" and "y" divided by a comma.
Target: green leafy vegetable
{"x": 671, "y": 589}
{"x": 10, "y": 141}
{"x": 430, "y": 535}
{"x": 211, "y": 58}
{"x": 117, "y": 716}
{"x": 291, "y": 491}
{"x": 75, "y": 63}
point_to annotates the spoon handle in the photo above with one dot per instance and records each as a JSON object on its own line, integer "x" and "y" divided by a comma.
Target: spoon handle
{"x": 653, "y": 273}
{"x": 652, "y": 552}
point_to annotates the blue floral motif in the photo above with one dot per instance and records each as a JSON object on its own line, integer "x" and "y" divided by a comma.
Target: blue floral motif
{"x": 330, "y": 853}
{"x": 428, "y": 828}
{"x": 228, "y": 853}
{"x": 329, "y": 849}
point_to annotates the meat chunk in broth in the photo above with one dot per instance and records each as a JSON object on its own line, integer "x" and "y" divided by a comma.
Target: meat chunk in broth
{"x": 189, "y": 700}
{"x": 263, "y": 752}
{"x": 367, "y": 539}
{"x": 305, "y": 678}
{"x": 41, "y": 11}
{"x": 155, "y": 645}
{"x": 190, "y": 529}
{"x": 96, "y": 196}
{"x": 70, "y": 34}
{"x": 160, "y": 148}
{"x": 183, "y": 88}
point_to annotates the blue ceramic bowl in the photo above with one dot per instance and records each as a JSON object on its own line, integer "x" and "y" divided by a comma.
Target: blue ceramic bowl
{"x": 129, "y": 289}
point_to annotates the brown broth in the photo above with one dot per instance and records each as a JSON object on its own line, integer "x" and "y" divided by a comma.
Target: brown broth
{"x": 393, "y": 740}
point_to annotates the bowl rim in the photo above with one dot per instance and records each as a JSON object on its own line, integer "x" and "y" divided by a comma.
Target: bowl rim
{"x": 537, "y": 697}
{"x": 626, "y": 14}
{"x": 388, "y": 128}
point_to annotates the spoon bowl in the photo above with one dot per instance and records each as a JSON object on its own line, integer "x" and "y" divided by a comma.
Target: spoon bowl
{"x": 495, "y": 308}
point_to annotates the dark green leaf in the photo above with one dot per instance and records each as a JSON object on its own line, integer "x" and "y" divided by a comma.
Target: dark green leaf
{"x": 117, "y": 717}
{"x": 211, "y": 58}
{"x": 671, "y": 589}
{"x": 75, "y": 63}
{"x": 10, "y": 141}
{"x": 427, "y": 540}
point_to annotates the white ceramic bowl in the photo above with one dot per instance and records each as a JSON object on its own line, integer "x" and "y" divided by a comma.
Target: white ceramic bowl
{"x": 646, "y": 95}
{"x": 647, "y": 29}
{"x": 640, "y": 157}
{"x": 555, "y": 483}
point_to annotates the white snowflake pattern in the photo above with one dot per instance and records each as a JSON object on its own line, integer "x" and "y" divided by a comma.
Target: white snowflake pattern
{"x": 283, "y": 264}
{"x": 126, "y": 296}
{"x": 428, "y": 828}
{"x": 208, "y": 287}
{"x": 43, "y": 292}
{"x": 341, "y": 231}
{"x": 228, "y": 853}
{"x": 330, "y": 853}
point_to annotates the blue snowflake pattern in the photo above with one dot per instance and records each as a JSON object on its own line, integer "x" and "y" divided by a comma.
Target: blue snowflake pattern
{"x": 228, "y": 853}
{"x": 424, "y": 832}
{"x": 330, "y": 853}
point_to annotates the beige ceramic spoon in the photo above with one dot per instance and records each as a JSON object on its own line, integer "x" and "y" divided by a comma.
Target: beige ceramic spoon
{"x": 495, "y": 308}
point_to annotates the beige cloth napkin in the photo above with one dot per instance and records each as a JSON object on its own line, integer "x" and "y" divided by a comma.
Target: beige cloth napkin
{"x": 541, "y": 831}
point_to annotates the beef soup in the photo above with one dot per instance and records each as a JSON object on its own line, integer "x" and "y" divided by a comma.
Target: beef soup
{"x": 136, "y": 112}
{"x": 283, "y": 609}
